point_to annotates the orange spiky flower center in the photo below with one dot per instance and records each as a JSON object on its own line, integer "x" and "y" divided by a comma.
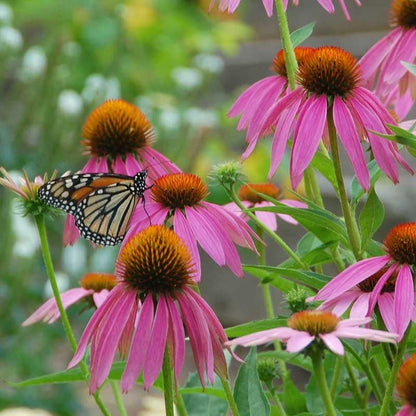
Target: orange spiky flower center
{"x": 156, "y": 261}
{"x": 400, "y": 243}
{"x": 250, "y": 192}
{"x": 116, "y": 128}
{"x": 403, "y": 14}
{"x": 279, "y": 61}
{"x": 314, "y": 322}
{"x": 369, "y": 284}
{"x": 98, "y": 281}
{"x": 329, "y": 70}
{"x": 178, "y": 190}
{"x": 406, "y": 381}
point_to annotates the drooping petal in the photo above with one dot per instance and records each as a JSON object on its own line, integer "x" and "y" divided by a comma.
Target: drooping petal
{"x": 267, "y": 218}
{"x": 100, "y": 297}
{"x": 130, "y": 166}
{"x": 365, "y": 333}
{"x": 263, "y": 337}
{"x": 299, "y": 341}
{"x": 360, "y": 308}
{"x": 327, "y": 5}
{"x": 386, "y": 308}
{"x": 306, "y": 139}
{"x": 294, "y": 204}
{"x": 333, "y": 343}
{"x": 339, "y": 304}
{"x": 71, "y": 233}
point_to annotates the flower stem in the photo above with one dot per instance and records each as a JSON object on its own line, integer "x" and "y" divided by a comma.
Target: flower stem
{"x": 118, "y": 398}
{"x": 387, "y": 403}
{"x": 356, "y": 391}
{"x": 168, "y": 387}
{"x": 259, "y": 224}
{"x": 230, "y": 398}
{"x": 180, "y": 405}
{"x": 350, "y": 222}
{"x": 319, "y": 373}
{"x": 290, "y": 58}
{"x": 47, "y": 258}
{"x": 280, "y": 411}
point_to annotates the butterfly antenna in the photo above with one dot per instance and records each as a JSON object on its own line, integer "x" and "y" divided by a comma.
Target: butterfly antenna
{"x": 144, "y": 206}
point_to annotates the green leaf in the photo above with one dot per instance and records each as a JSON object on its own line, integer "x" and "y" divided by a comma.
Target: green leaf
{"x": 254, "y": 326}
{"x": 68, "y": 376}
{"x": 248, "y": 391}
{"x": 204, "y": 402}
{"x": 410, "y": 67}
{"x": 293, "y": 400}
{"x": 324, "y": 165}
{"x": 371, "y": 217}
{"x": 401, "y": 136}
{"x": 356, "y": 191}
{"x": 301, "y": 34}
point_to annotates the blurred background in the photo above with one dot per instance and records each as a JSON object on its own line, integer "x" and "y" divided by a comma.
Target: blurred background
{"x": 184, "y": 68}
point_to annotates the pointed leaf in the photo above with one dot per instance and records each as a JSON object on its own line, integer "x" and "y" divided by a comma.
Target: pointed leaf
{"x": 293, "y": 400}
{"x": 371, "y": 217}
{"x": 301, "y": 34}
{"x": 356, "y": 191}
{"x": 254, "y": 326}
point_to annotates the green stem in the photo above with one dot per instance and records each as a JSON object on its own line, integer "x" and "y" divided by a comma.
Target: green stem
{"x": 168, "y": 387}
{"x": 280, "y": 411}
{"x": 180, "y": 405}
{"x": 335, "y": 377}
{"x": 259, "y": 224}
{"x": 47, "y": 258}
{"x": 376, "y": 380}
{"x": 290, "y": 58}
{"x": 312, "y": 185}
{"x": 319, "y": 373}
{"x": 118, "y": 398}
{"x": 230, "y": 398}
{"x": 387, "y": 403}
{"x": 350, "y": 222}
{"x": 356, "y": 391}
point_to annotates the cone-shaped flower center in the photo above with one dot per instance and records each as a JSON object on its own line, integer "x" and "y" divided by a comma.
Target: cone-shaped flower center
{"x": 279, "y": 62}
{"x": 156, "y": 261}
{"x": 369, "y": 284}
{"x": 98, "y": 281}
{"x": 406, "y": 381}
{"x": 400, "y": 243}
{"x": 403, "y": 13}
{"x": 314, "y": 322}
{"x": 329, "y": 70}
{"x": 116, "y": 128}
{"x": 178, "y": 190}
{"x": 250, "y": 191}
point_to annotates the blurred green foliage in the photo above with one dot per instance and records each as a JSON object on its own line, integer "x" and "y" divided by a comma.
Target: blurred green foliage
{"x": 58, "y": 61}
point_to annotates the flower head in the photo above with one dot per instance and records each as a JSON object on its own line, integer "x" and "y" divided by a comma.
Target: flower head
{"x": 147, "y": 313}
{"x": 330, "y": 88}
{"x": 94, "y": 287}
{"x": 258, "y": 98}
{"x": 250, "y": 196}
{"x": 178, "y": 200}
{"x": 382, "y": 67}
{"x": 321, "y": 327}
{"x": 406, "y": 386}
{"x": 386, "y": 281}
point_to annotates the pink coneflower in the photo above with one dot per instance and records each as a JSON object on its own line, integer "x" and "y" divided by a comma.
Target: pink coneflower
{"x": 382, "y": 66}
{"x": 117, "y": 137}
{"x": 250, "y": 198}
{"x": 331, "y": 88}
{"x": 178, "y": 200}
{"x": 255, "y": 101}
{"x": 95, "y": 287}
{"x": 384, "y": 280}
{"x": 150, "y": 309}
{"x": 231, "y": 5}
{"x": 310, "y": 326}
{"x": 406, "y": 386}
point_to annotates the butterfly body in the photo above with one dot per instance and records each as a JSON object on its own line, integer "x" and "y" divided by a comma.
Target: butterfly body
{"x": 101, "y": 203}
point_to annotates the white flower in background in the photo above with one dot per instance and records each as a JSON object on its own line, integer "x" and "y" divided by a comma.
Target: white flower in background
{"x": 71, "y": 49}
{"x": 70, "y": 103}
{"x": 10, "y": 39}
{"x": 209, "y": 62}
{"x": 169, "y": 118}
{"x": 24, "y": 411}
{"x": 201, "y": 118}
{"x": 98, "y": 88}
{"x": 146, "y": 105}
{"x": 187, "y": 78}
{"x": 6, "y": 13}
{"x": 74, "y": 259}
{"x": 62, "y": 281}
{"x": 33, "y": 64}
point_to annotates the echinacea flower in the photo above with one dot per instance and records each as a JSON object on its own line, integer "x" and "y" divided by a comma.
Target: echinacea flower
{"x": 310, "y": 326}
{"x": 231, "y": 5}
{"x": 250, "y": 198}
{"x": 384, "y": 280}
{"x": 406, "y": 386}
{"x": 93, "y": 286}
{"x": 254, "y": 102}
{"x": 382, "y": 67}
{"x": 117, "y": 137}
{"x": 330, "y": 89}
{"x": 178, "y": 199}
{"x": 149, "y": 309}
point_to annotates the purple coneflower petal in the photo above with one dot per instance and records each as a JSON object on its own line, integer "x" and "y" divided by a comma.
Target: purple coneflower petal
{"x": 294, "y": 204}
{"x": 327, "y": 5}
{"x": 299, "y": 341}
{"x": 360, "y": 307}
{"x": 267, "y": 218}
{"x": 306, "y": 140}
{"x": 263, "y": 337}
{"x": 139, "y": 345}
{"x": 366, "y": 333}
{"x": 71, "y": 233}
{"x": 333, "y": 343}
{"x": 404, "y": 298}
{"x": 156, "y": 349}
{"x": 339, "y": 304}
{"x": 100, "y": 297}
{"x": 386, "y": 307}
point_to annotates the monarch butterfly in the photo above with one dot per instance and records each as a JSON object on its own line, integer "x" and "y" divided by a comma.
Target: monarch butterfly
{"x": 101, "y": 203}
